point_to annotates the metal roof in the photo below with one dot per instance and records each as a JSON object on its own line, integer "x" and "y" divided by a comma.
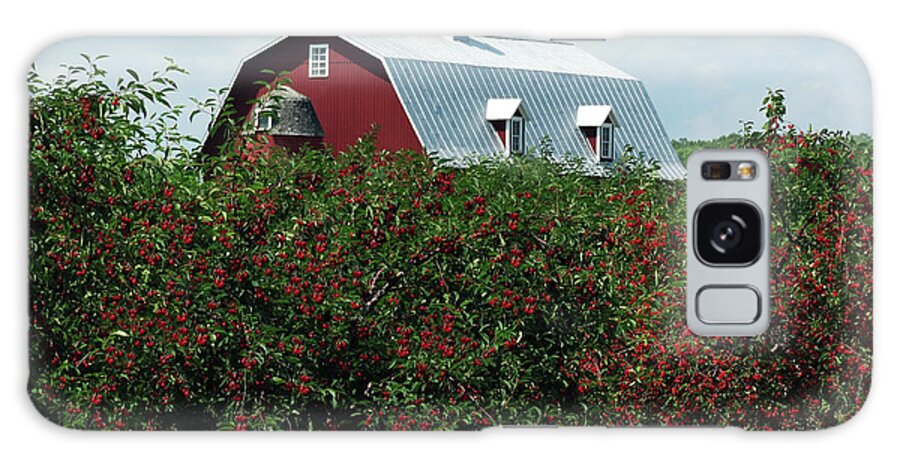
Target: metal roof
{"x": 493, "y": 52}
{"x": 446, "y": 103}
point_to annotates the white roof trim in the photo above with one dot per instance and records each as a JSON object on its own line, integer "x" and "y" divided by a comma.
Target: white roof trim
{"x": 501, "y": 109}
{"x": 492, "y": 52}
{"x": 594, "y": 115}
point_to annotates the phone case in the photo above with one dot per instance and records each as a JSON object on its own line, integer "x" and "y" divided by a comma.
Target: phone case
{"x": 417, "y": 233}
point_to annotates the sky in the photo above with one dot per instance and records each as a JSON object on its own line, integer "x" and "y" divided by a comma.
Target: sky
{"x": 701, "y": 87}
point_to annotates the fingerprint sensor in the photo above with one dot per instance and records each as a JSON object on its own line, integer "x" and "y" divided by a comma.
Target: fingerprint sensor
{"x": 723, "y": 304}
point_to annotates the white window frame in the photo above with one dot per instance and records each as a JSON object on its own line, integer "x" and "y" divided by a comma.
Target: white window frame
{"x": 263, "y": 115}
{"x": 318, "y": 61}
{"x": 520, "y": 148}
{"x": 605, "y": 154}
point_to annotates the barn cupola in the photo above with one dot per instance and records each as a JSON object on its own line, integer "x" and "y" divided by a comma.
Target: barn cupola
{"x": 286, "y": 112}
{"x": 597, "y": 124}
{"x": 507, "y": 117}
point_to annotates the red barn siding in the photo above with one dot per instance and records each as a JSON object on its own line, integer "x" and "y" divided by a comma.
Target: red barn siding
{"x": 591, "y": 134}
{"x": 500, "y": 128}
{"x": 356, "y": 94}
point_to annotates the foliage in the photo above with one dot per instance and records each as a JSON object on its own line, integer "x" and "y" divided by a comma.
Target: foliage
{"x": 266, "y": 289}
{"x": 684, "y": 147}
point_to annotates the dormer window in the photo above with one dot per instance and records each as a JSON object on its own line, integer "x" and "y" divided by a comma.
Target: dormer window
{"x": 508, "y": 120}
{"x": 285, "y": 112}
{"x": 597, "y": 124}
{"x": 318, "y": 61}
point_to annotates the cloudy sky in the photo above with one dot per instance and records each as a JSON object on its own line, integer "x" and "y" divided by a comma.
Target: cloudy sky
{"x": 701, "y": 88}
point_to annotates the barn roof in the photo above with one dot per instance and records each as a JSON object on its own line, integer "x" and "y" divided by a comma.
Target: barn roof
{"x": 494, "y": 52}
{"x": 447, "y": 83}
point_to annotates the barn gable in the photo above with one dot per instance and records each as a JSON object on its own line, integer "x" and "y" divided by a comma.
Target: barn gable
{"x": 355, "y": 95}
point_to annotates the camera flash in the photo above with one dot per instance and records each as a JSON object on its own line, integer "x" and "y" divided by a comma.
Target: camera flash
{"x": 746, "y": 170}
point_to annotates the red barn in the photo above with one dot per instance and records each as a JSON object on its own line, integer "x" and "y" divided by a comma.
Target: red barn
{"x": 457, "y": 98}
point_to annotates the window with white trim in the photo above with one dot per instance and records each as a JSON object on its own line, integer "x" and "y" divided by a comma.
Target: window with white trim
{"x": 507, "y": 117}
{"x": 515, "y": 135}
{"x": 598, "y": 124}
{"x": 605, "y": 142}
{"x": 318, "y": 60}
{"x": 266, "y": 118}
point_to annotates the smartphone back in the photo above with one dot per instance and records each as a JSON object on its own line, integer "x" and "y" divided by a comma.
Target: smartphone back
{"x": 418, "y": 233}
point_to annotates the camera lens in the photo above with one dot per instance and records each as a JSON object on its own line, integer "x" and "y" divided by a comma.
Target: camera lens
{"x": 728, "y": 233}
{"x": 716, "y": 170}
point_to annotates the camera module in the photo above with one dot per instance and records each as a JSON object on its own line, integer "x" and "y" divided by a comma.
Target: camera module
{"x": 728, "y": 233}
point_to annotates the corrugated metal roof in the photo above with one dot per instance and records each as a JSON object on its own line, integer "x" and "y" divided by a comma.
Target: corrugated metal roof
{"x": 446, "y": 103}
{"x": 493, "y": 52}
